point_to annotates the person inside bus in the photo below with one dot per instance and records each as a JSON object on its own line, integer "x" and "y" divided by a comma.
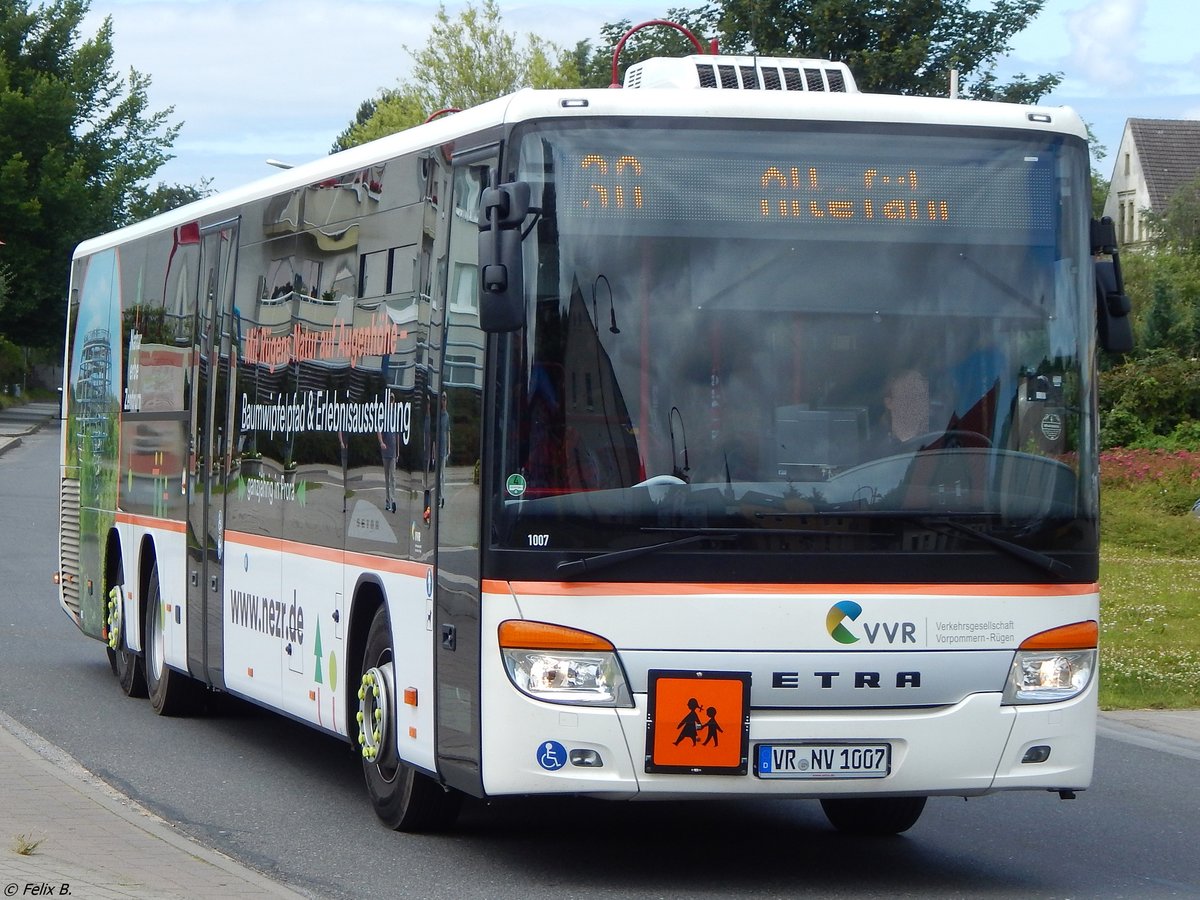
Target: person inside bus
{"x": 905, "y": 411}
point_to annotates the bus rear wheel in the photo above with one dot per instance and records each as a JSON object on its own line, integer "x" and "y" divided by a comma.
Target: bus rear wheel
{"x": 873, "y": 815}
{"x": 404, "y": 799}
{"x": 171, "y": 693}
{"x": 126, "y": 664}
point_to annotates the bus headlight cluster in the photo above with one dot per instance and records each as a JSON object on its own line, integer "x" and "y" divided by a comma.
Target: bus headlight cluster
{"x": 1047, "y": 676}
{"x": 1053, "y": 665}
{"x": 562, "y": 665}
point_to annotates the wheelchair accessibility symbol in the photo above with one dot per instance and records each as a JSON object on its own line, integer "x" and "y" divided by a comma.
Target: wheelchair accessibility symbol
{"x": 551, "y": 755}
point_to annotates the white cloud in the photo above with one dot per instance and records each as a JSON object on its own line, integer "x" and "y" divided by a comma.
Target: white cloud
{"x": 268, "y": 78}
{"x": 252, "y": 79}
{"x": 1105, "y": 42}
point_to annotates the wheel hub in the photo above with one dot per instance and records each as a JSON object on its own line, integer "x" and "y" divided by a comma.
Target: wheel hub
{"x": 374, "y": 713}
{"x": 112, "y": 618}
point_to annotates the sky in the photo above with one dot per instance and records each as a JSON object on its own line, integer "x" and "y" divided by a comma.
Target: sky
{"x": 253, "y": 80}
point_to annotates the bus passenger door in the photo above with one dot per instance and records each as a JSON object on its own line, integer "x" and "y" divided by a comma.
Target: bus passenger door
{"x": 459, "y": 344}
{"x": 213, "y": 433}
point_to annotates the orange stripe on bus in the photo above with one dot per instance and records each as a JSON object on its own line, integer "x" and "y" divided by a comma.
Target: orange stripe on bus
{"x": 595, "y": 588}
{"x": 262, "y": 542}
{"x": 150, "y": 522}
{"x": 387, "y": 564}
{"x": 328, "y": 554}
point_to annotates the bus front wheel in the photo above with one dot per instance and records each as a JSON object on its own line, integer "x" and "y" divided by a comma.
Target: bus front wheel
{"x": 404, "y": 799}
{"x": 873, "y": 815}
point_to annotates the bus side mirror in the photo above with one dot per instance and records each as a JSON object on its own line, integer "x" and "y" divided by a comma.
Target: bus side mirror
{"x": 502, "y": 212}
{"x": 1112, "y": 308}
{"x": 1112, "y": 304}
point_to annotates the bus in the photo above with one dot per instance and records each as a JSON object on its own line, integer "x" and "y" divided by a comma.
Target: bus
{"x": 729, "y": 435}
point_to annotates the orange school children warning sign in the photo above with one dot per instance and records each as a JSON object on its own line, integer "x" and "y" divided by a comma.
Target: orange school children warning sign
{"x": 698, "y": 723}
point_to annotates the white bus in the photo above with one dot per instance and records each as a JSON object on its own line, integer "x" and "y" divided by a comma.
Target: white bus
{"x": 729, "y": 435}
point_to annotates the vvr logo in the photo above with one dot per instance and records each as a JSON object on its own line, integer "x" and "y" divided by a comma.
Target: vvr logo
{"x": 838, "y": 613}
{"x": 847, "y": 610}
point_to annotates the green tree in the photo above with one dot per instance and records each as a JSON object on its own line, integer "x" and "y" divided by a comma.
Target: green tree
{"x": 1099, "y": 183}
{"x": 394, "y": 109}
{"x": 1152, "y": 397}
{"x": 1178, "y": 226}
{"x": 465, "y": 62}
{"x": 10, "y": 354}
{"x": 899, "y": 47}
{"x": 902, "y": 47}
{"x": 166, "y": 197}
{"x": 1153, "y": 400}
{"x": 1164, "y": 288}
{"x": 77, "y": 144}
{"x": 1099, "y": 194}
{"x": 594, "y": 61}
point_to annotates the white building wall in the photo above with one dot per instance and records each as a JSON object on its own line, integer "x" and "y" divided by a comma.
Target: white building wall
{"x": 1128, "y": 194}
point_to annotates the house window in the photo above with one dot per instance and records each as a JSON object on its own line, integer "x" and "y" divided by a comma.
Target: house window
{"x": 1121, "y": 223}
{"x": 465, "y": 295}
{"x": 1126, "y": 163}
{"x": 388, "y": 271}
{"x": 462, "y": 370}
{"x": 468, "y": 188}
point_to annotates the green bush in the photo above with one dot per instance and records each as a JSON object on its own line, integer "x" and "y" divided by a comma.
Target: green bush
{"x": 1121, "y": 428}
{"x": 12, "y": 363}
{"x": 1153, "y": 397}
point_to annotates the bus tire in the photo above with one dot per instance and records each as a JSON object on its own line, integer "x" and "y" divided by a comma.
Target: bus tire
{"x": 873, "y": 815}
{"x": 404, "y": 799}
{"x": 171, "y": 693}
{"x": 126, "y": 664}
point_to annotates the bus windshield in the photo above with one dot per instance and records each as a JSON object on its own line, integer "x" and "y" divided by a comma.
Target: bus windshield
{"x": 799, "y": 339}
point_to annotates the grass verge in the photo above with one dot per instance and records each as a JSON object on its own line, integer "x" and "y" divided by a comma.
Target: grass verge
{"x": 1149, "y": 581}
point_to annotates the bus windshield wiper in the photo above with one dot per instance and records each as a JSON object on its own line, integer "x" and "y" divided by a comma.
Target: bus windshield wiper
{"x": 1033, "y": 557}
{"x": 575, "y": 567}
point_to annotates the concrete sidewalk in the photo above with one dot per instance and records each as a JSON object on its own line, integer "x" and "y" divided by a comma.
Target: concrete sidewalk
{"x": 80, "y": 832}
{"x": 95, "y": 841}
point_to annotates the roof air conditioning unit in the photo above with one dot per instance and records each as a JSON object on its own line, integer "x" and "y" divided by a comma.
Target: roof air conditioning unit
{"x": 742, "y": 73}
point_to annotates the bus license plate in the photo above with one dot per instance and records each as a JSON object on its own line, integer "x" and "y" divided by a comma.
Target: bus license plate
{"x": 823, "y": 760}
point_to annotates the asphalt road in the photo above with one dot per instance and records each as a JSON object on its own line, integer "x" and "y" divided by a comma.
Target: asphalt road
{"x": 289, "y": 802}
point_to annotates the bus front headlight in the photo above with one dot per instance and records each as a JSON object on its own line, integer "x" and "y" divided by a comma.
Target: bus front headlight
{"x": 1053, "y": 665}
{"x": 562, "y": 665}
{"x": 1045, "y": 677}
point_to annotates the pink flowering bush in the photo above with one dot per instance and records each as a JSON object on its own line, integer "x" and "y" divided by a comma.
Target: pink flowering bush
{"x": 1167, "y": 479}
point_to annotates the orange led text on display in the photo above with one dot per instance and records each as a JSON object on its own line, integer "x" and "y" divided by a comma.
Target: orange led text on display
{"x": 793, "y": 192}
{"x": 612, "y": 188}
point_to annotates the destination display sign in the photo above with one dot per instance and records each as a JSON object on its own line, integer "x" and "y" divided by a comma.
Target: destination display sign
{"x": 834, "y": 189}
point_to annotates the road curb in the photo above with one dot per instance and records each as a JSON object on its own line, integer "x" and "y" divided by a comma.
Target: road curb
{"x": 1169, "y": 731}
